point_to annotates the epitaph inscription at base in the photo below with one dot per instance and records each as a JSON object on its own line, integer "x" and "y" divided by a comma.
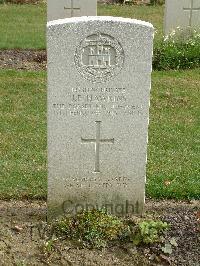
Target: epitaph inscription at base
{"x": 99, "y": 77}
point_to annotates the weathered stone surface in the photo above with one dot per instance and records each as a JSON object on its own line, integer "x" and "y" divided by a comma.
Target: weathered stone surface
{"x": 181, "y": 13}
{"x": 70, "y": 8}
{"x": 99, "y": 76}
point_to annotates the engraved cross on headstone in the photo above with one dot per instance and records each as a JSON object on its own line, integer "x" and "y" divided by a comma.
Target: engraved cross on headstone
{"x": 72, "y": 8}
{"x": 97, "y": 141}
{"x": 191, "y": 9}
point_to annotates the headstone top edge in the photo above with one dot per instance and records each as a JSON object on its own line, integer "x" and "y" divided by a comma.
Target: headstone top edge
{"x": 100, "y": 19}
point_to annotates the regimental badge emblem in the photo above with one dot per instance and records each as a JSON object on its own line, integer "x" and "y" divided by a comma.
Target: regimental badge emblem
{"x": 99, "y": 57}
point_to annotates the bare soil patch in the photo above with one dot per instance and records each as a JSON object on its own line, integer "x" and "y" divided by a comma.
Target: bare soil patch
{"x": 33, "y": 60}
{"x": 23, "y": 237}
{"x": 20, "y": 2}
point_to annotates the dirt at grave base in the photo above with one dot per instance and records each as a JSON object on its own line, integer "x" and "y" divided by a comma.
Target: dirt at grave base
{"x": 21, "y": 243}
{"x": 18, "y": 59}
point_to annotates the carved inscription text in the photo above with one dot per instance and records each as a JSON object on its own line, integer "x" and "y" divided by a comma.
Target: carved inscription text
{"x": 97, "y": 101}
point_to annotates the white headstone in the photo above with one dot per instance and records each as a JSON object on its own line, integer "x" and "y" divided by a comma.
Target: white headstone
{"x": 99, "y": 78}
{"x": 70, "y": 8}
{"x": 181, "y": 13}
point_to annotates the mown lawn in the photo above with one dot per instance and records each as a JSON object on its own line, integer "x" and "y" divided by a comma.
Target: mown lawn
{"x": 174, "y": 144}
{"x": 174, "y": 148}
{"x": 24, "y": 26}
{"x": 22, "y": 134}
{"x": 152, "y": 14}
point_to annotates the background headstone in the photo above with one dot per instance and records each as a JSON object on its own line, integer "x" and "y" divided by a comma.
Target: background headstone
{"x": 181, "y": 13}
{"x": 70, "y": 8}
{"x": 99, "y": 78}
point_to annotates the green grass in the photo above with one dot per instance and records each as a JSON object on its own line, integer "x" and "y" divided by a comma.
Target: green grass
{"x": 174, "y": 144}
{"x": 152, "y": 14}
{"x": 22, "y": 134}
{"x": 23, "y": 26}
{"x": 174, "y": 147}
